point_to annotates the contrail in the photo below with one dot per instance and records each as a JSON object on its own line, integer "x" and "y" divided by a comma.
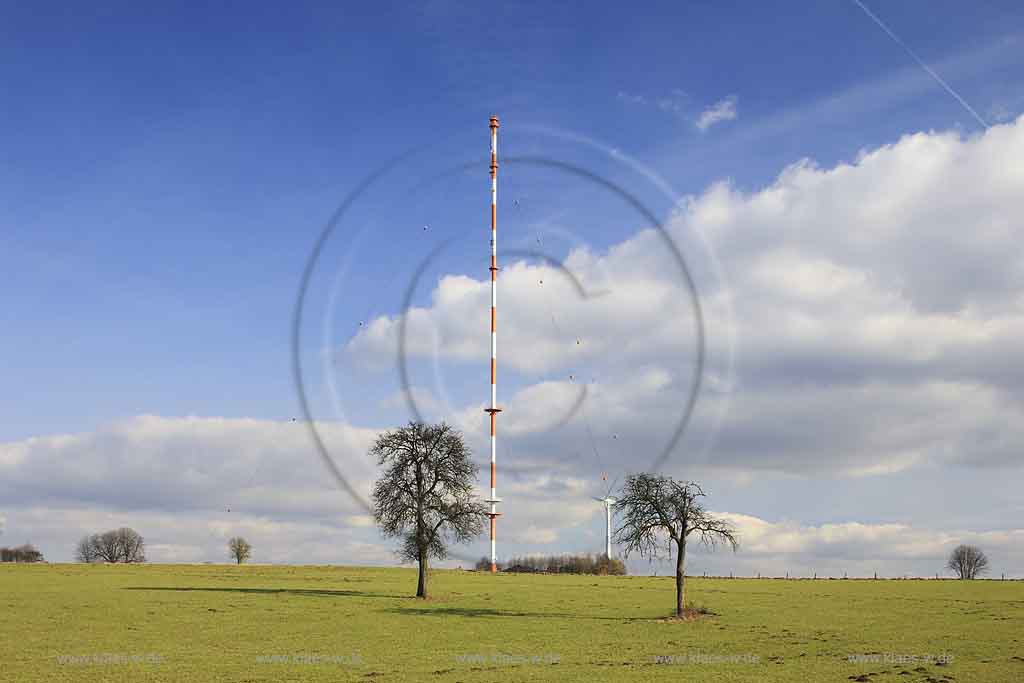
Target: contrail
{"x": 938, "y": 79}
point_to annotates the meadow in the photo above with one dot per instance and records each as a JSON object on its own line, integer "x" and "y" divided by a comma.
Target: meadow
{"x": 65, "y": 622}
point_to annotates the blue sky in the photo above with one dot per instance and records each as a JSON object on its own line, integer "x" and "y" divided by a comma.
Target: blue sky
{"x": 167, "y": 171}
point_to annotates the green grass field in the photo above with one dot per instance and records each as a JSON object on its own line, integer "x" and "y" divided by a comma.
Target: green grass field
{"x": 263, "y": 623}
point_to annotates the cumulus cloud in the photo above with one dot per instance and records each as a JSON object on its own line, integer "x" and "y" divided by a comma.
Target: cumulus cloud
{"x": 847, "y": 539}
{"x": 302, "y": 519}
{"x": 611, "y": 300}
{"x": 868, "y": 324}
{"x": 722, "y": 110}
{"x": 202, "y": 536}
{"x": 876, "y": 309}
{"x": 262, "y": 467}
{"x": 187, "y": 484}
{"x": 856, "y": 547}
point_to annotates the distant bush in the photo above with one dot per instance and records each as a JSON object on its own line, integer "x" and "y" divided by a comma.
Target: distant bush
{"x": 23, "y": 553}
{"x": 558, "y": 564}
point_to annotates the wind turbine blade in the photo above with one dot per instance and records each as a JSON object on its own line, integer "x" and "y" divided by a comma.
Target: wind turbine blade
{"x": 610, "y": 488}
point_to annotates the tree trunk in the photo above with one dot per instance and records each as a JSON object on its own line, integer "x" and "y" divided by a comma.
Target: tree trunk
{"x": 421, "y": 587}
{"x": 680, "y": 577}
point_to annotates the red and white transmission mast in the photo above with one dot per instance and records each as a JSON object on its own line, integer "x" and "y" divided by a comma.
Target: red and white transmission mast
{"x": 494, "y": 409}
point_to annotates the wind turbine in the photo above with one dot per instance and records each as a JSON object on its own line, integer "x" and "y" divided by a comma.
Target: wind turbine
{"x": 608, "y": 503}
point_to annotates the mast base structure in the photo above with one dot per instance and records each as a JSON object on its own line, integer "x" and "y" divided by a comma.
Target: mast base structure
{"x": 493, "y": 514}
{"x": 493, "y": 501}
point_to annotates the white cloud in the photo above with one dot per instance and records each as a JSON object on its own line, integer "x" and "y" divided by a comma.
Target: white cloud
{"x": 876, "y": 308}
{"x": 254, "y": 467}
{"x": 877, "y": 312}
{"x": 202, "y": 536}
{"x": 545, "y": 511}
{"x": 188, "y": 484}
{"x": 536, "y": 535}
{"x": 857, "y": 541}
{"x": 618, "y": 298}
{"x": 722, "y": 110}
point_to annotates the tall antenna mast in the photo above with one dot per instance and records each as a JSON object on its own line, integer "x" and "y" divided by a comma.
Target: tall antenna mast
{"x": 494, "y": 409}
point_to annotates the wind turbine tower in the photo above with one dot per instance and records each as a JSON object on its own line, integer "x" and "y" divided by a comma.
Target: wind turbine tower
{"x": 608, "y": 503}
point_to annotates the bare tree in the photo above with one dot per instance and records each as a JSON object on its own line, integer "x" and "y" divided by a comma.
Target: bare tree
{"x": 425, "y": 495}
{"x": 967, "y": 562}
{"x": 658, "y": 512}
{"x": 106, "y": 547}
{"x": 85, "y": 551}
{"x": 133, "y": 547}
{"x": 239, "y": 549}
{"x": 118, "y": 545}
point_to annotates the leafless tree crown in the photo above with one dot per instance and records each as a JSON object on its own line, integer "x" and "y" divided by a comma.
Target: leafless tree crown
{"x": 239, "y": 549}
{"x": 122, "y": 545}
{"x": 657, "y": 511}
{"x": 85, "y": 551}
{"x": 967, "y": 562}
{"x": 425, "y": 495}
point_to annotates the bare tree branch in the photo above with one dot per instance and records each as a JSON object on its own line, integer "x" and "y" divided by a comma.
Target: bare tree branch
{"x": 118, "y": 545}
{"x": 967, "y": 562}
{"x": 658, "y": 513}
{"x": 239, "y": 549}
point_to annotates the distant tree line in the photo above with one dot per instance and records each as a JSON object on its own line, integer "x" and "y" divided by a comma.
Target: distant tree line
{"x": 558, "y": 564}
{"x": 23, "y": 553}
{"x": 122, "y": 545}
